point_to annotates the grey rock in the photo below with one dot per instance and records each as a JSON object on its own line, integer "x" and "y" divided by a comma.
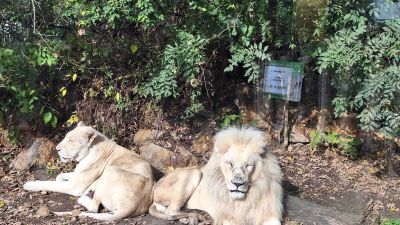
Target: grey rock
{"x": 43, "y": 211}
{"x": 145, "y": 136}
{"x": 310, "y": 213}
{"x": 163, "y": 159}
{"x": 40, "y": 152}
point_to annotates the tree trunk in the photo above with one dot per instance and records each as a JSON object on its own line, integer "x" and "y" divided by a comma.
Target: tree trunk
{"x": 285, "y": 131}
{"x": 390, "y": 154}
{"x": 324, "y": 93}
{"x": 286, "y": 126}
{"x": 308, "y": 96}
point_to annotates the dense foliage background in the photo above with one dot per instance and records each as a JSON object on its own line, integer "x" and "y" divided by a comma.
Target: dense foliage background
{"x": 172, "y": 53}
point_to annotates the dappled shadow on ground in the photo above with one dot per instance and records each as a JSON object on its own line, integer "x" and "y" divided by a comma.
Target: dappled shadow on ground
{"x": 335, "y": 180}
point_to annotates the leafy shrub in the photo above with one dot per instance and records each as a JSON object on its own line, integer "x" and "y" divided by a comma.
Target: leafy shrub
{"x": 364, "y": 55}
{"x": 346, "y": 143}
{"x": 180, "y": 63}
{"x": 178, "y": 67}
{"x": 391, "y": 222}
{"x": 21, "y": 93}
{"x": 125, "y": 50}
{"x": 231, "y": 119}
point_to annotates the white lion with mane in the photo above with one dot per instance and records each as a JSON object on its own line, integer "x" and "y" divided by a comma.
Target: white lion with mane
{"x": 240, "y": 185}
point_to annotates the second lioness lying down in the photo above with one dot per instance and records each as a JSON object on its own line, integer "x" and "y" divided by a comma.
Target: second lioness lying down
{"x": 121, "y": 180}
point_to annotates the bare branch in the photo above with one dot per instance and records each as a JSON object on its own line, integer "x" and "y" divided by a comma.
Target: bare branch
{"x": 34, "y": 16}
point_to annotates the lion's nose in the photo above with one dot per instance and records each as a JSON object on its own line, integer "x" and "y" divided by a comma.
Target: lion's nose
{"x": 237, "y": 184}
{"x": 237, "y": 181}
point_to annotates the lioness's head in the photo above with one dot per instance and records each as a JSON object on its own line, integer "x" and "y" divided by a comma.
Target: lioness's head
{"x": 240, "y": 160}
{"x": 75, "y": 145}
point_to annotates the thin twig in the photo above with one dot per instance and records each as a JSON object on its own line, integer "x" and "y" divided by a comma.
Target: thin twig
{"x": 219, "y": 34}
{"x": 34, "y": 16}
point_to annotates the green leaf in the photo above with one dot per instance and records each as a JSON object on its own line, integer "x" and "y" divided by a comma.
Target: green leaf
{"x": 8, "y": 52}
{"x": 63, "y": 91}
{"x": 117, "y": 97}
{"x": 134, "y": 48}
{"x": 54, "y": 121}
{"x": 234, "y": 32}
{"x": 47, "y": 117}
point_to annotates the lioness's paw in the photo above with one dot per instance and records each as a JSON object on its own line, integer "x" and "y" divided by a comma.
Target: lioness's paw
{"x": 60, "y": 177}
{"x": 32, "y": 186}
{"x": 85, "y": 201}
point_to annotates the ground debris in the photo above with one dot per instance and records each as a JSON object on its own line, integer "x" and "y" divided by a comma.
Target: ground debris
{"x": 43, "y": 211}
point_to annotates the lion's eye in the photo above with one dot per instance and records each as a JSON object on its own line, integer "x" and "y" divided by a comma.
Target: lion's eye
{"x": 248, "y": 166}
{"x": 229, "y": 163}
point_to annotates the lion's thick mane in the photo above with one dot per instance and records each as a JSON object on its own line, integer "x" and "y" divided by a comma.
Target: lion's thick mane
{"x": 265, "y": 194}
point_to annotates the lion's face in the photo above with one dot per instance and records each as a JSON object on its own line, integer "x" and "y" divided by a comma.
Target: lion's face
{"x": 75, "y": 145}
{"x": 239, "y": 169}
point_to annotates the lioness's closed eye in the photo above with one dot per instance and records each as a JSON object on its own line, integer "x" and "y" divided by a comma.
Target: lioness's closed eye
{"x": 121, "y": 180}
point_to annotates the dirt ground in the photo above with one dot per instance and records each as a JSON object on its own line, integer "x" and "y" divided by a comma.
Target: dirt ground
{"x": 326, "y": 177}
{"x": 332, "y": 179}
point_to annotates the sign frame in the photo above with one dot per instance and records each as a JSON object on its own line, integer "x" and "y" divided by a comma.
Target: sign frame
{"x": 290, "y": 73}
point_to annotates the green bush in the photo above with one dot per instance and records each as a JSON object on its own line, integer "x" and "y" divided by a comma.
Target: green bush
{"x": 23, "y": 96}
{"x": 125, "y": 52}
{"x": 391, "y": 222}
{"x": 230, "y": 119}
{"x": 364, "y": 55}
{"x": 164, "y": 50}
{"x": 346, "y": 143}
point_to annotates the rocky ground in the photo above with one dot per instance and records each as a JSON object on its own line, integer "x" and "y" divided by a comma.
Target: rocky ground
{"x": 321, "y": 186}
{"x": 333, "y": 180}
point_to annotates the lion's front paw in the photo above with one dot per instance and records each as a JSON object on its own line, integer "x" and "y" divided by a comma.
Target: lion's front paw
{"x": 272, "y": 221}
{"x": 189, "y": 221}
{"x": 32, "y": 186}
{"x": 61, "y": 177}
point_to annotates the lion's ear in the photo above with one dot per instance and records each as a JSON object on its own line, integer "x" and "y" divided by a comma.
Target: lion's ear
{"x": 81, "y": 124}
{"x": 221, "y": 147}
{"x": 224, "y": 140}
{"x": 257, "y": 170}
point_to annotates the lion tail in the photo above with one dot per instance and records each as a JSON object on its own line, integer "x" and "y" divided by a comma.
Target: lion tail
{"x": 170, "y": 215}
{"x": 67, "y": 213}
{"x": 99, "y": 216}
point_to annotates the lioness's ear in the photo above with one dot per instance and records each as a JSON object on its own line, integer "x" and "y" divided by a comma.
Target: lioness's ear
{"x": 81, "y": 124}
{"x": 91, "y": 135}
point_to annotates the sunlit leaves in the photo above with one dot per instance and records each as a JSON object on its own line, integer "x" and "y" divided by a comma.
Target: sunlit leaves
{"x": 73, "y": 119}
{"x": 249, "y": 58}
{"x": 134, "y": 48}
{"x": 364, "y": 57}
{"x": 45, "y": 57}
{"x": 63, "y": 91}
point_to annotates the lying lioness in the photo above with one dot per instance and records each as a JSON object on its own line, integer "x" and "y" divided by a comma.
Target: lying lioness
{"x": 121, "y": 180}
